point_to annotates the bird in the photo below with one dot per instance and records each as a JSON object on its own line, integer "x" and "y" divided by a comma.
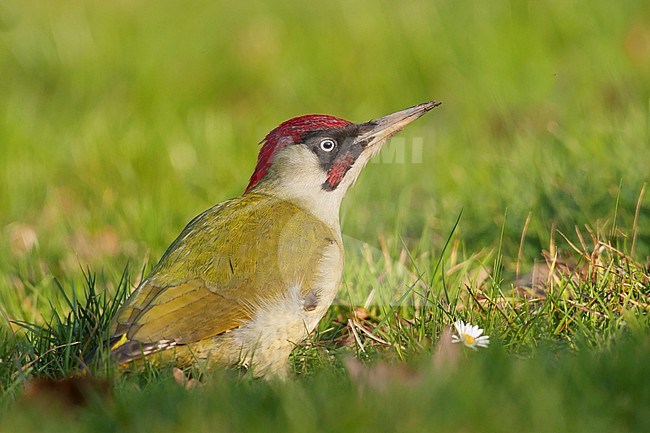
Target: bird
{"x": 250, "y": 278}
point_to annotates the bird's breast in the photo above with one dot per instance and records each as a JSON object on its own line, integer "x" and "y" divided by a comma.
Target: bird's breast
{"x": 288, "y": 317}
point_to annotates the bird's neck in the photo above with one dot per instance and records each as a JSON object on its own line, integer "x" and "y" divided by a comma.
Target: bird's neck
{"x": 302, "y": 185}
{"x": 323, "y": 206}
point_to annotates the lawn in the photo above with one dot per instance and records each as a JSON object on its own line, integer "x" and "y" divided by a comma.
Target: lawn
{"x": 519, "y": 205}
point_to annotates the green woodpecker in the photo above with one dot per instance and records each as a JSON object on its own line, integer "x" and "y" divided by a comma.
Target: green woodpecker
{"x": 250, "y": 278}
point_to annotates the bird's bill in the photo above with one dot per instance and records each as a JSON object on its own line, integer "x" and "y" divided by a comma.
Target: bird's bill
{"x": 379, "y": 130}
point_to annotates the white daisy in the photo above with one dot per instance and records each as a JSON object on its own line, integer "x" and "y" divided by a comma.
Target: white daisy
{"x": 469, "y": 335}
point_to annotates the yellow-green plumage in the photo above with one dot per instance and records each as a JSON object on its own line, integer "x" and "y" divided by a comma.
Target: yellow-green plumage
{"x": 229, "y": 263}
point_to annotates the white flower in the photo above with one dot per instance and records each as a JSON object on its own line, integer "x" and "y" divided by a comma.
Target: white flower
{"x": 469, "y": 335}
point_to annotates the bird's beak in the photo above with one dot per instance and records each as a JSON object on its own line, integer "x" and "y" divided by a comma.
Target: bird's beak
{"x": 376, "y": 132}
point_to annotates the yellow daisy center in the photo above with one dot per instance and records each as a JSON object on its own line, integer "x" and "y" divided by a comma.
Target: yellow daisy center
{"x": 468, "y": 339}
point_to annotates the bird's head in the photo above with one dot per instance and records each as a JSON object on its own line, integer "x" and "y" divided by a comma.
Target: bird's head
{"x": 314, "y": 159}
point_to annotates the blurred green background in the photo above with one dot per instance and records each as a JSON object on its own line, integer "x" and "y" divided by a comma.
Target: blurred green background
{"x": 120, "y": 121}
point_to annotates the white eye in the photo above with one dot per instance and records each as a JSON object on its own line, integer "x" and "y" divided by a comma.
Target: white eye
{"x": 328, "y": 145}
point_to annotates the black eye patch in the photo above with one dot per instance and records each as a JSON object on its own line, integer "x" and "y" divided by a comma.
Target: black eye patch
{"x": 335, "y": 160}
{"x": 342, "y": 137}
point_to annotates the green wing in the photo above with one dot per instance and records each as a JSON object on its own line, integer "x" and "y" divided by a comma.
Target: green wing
{"x": 221, "y": 267}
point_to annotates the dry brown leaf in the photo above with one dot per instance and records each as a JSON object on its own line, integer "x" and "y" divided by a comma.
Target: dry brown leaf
{"x": 447, "y": 353}
{"x": 67, "y": 393}
{"x": 381, "y": 376}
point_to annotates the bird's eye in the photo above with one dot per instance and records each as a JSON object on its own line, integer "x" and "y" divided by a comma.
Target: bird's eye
{"x": 328, "y": 145}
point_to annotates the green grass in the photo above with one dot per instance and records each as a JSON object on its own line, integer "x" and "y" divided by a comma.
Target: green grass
{"x": 120, "y": 121}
